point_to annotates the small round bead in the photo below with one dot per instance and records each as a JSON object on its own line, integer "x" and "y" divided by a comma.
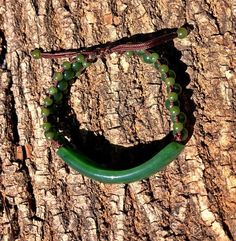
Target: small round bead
{"x": 182, "y": 117}
{"x": 62, "y": 85}
{"x": 58, "y": 76}
{"x": 178, "y": 127}
{"x": 177, "y": 88}
{"x": 164, "y": 68}
{"x": 47, "y": 126}
{"x": 77, "y": 66}
{"x": 169, "y": 104}
{"x": 45, "y": 112}
{"x": 172, "y": 73}
{"x": 58, "y": 97}
{"x": 164, "y": 76}
{"x": 146, "y": 58}
{"x": 129, "y": 53}
{"x": 80, "y": 58}
{"x": 157, "y": 65}
{"x": 175, "y": 110}
{"x": 173, "y": 96}
{"x": 50, "y": 135}
{"x": 182, "y": 33}
{"x": 86, "y": 64}
{"x": 169, "y": 81}
{"x": 68, "y": 74}
{"x": 48, "y": 101}
{"x": 52, "y": 90}
{"x": 36, "y": 54}
{"x": 66, "y": 65}
{"x": 154, "y": 57}
{"x": 184, "y": 134}
{"x": 140, "y": 52}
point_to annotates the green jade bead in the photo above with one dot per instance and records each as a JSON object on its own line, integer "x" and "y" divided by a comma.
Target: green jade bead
{"x": 47, "y": 126}
{"x": 140, "y": 52}
{"x": 52, "y": 90}
{"x": 184, "y": 134}
{"x": 169, "y": 104}
{"x": 77, "y": 66}
{"x": 129, "y": 53}
{"x": 178, "y": 127}
{"x": 154, "y": 57}
{"x": 171, "y": 73}
{"x": 58, "y": 97}
{"x": 50, "y": 135}
{"x": 80, "y": 58}
{"x": 36, "y": 54}
{"x": 164, "y": 68}
{"x": 182, "y": 33}
{"x": 146, "y": 58}
{"x": 169, "y": 81}
{"x": 172, "y": 96}
{"x": 58, "y": 76}
{"x": 45, "y": 112}
{"x": 62, "y": 85}
{"x": 86, "y": 64}
{"x": 181, "y": 117}
{"x": 68, "y": 74}
{"x": 174, "y": 110}
{"x": 48, "y": 101}
{"x": 66, "y": 65}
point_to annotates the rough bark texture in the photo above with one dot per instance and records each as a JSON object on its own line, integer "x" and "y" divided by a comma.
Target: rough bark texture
{"x": 119, "y": 104}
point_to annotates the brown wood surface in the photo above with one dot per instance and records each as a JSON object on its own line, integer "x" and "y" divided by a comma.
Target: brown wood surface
{"x": 119, "y": 105}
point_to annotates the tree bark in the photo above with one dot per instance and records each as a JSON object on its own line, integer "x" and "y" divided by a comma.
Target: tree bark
{"x": 118, "y": 109}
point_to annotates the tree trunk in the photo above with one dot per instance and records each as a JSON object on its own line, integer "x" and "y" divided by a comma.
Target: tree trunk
{"x": 118, "y": 109}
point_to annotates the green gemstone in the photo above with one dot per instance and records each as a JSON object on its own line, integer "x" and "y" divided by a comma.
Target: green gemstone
{"x": 50, "y": 135}
{"x": 62, "y": 85}
{"x": 58, "y": 76}
{"x": 86, "y": 64}
{"x": 157, "y": 65}
{"x": 58, "y": 97}
{"x": 140, "y": 52}
{"x": 164, "y": 76}
{"x": 184, "y": 134}
{"x": 47, "y": 126}
{"x": 177, "y": 88}
{"x": 178, "y": 127}
{"x": 66, "y": 65}
{"x": 52, "y": 90}
{"x": 129, "y": 53}
{"x": 78, "y": 74}
{"x": 164, "y": 68}
{"x": 182, "y": 117}
{"x": 154, "y": 57}
{"x": 48, "y": 101}
{"x": 182, "y": 33}
{"x": 80, "y": 58}
{"x": 172, "y": 73}
{"x": 68, "y": 74}
{"x": 77, "y": 66}
{"x": 36, "y": 54}
{"x": 173, "y": 96}
{"x": 146, "y": 58}
{"x": 169, "y": 103}
{"x": 175, "y": 110}
{"x": 45, "y": 112}
{"x": 169, "y": 81}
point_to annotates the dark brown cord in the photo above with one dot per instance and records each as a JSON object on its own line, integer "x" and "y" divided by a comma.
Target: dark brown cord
{"x": 108, "y": 49}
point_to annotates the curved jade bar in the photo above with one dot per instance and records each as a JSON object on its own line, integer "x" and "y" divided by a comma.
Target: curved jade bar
{"x": 91, "y": 169}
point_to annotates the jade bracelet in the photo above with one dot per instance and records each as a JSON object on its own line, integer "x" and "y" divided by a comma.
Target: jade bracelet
{"x": 73, "y": 68}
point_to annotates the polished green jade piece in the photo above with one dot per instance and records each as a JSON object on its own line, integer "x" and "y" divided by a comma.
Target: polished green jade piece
{"x": 91, "y": 169}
